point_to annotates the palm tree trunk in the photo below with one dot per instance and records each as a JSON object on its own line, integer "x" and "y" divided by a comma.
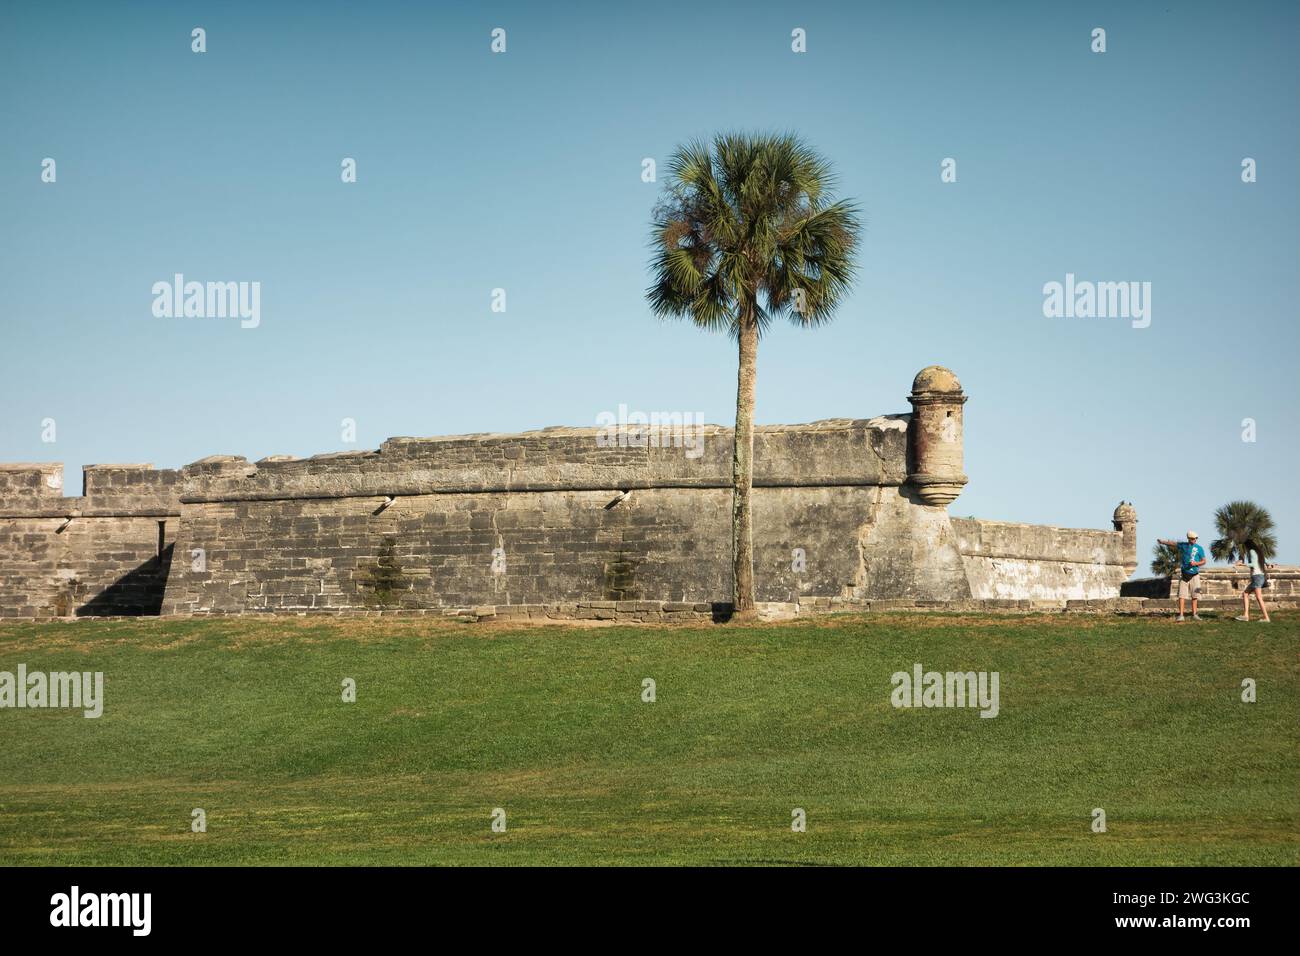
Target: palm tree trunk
{"x": 742, "y": 471}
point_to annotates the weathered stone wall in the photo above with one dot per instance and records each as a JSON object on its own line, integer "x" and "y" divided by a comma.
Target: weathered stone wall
{"x": 1004, "y": 560}
{"x": 1221, "y": 582}
{"x": 656, "y": 544}
{"x": 553, "y": 516}
{"x": 853, "y": 452}
{"x": 845, "y": 510}
{"x": 105, "y": 552}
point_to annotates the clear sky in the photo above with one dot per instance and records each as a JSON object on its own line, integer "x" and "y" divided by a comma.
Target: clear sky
{"x": 522, "y": 171}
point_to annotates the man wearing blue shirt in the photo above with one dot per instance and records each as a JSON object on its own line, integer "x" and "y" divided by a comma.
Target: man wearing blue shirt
{"x": 1192, "y": 556}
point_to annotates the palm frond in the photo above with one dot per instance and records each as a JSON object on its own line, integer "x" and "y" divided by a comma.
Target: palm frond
{"x": 747, "y": 220}
{"x": 1165, "y": 561}
{"x": 1237, "y": 522}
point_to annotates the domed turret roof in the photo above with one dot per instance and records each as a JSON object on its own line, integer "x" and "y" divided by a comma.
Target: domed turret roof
{"x": 935, "y": 378}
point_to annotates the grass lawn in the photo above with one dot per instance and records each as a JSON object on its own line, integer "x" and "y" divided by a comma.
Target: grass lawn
{"x": 1140, "y": 717}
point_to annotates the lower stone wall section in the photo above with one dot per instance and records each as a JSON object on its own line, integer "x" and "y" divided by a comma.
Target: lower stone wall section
{"x": 104, "y": 552}
{"x": 1283, "y": 582}
{"x": 537, "y": 548}
{"x": 86, "y": 566}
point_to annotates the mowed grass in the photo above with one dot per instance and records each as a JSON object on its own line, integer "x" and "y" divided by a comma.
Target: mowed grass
{"x": 244, "y": 719}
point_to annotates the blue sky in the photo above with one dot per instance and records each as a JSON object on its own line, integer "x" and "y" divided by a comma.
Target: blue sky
{"x": 523, "y": 171}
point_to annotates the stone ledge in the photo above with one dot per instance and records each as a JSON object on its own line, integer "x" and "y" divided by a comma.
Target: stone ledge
{"x": 669, "y": 612}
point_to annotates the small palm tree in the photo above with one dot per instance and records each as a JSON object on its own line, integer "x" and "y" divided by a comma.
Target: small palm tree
{"x": 747, "y": 232}
{"x": 1236, "y": 522}
{"x": 1165, "y": 561}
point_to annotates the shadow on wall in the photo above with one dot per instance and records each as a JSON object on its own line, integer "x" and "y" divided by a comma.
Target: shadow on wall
{"x": 138, "y": 593}
{"x": 1145, "y": 588}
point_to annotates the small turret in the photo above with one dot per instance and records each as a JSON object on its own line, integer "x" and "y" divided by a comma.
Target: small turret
{"x": 1126, "y": 521}
{"x": 935, "y": 436}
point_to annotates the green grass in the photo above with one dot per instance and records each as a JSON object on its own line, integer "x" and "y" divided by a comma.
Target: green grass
{"x": 244, "y": 719}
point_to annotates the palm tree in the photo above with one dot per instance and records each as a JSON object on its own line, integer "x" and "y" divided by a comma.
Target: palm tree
{"x": 1165, "y": 561}
{"x": 746, "y": 232}
{"x": 1238, "y": 520}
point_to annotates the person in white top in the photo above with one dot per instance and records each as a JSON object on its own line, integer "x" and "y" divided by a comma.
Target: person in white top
{"x": 1258, "y": 580}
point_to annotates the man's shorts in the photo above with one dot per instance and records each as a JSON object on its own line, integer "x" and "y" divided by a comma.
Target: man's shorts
{"x": 1189, "y": 586}
{"x": 1256, "y": 583}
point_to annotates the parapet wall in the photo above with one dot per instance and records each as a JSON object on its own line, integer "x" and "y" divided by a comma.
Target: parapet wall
{"x": 1004, "y": 560}
{"x": 837, "y": 452}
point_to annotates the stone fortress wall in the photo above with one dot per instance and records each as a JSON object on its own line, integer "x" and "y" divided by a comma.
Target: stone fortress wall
{"x": 844, "y": 509}
{"x": 106, "y": 552}
{"x": 1006, "y": 561}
